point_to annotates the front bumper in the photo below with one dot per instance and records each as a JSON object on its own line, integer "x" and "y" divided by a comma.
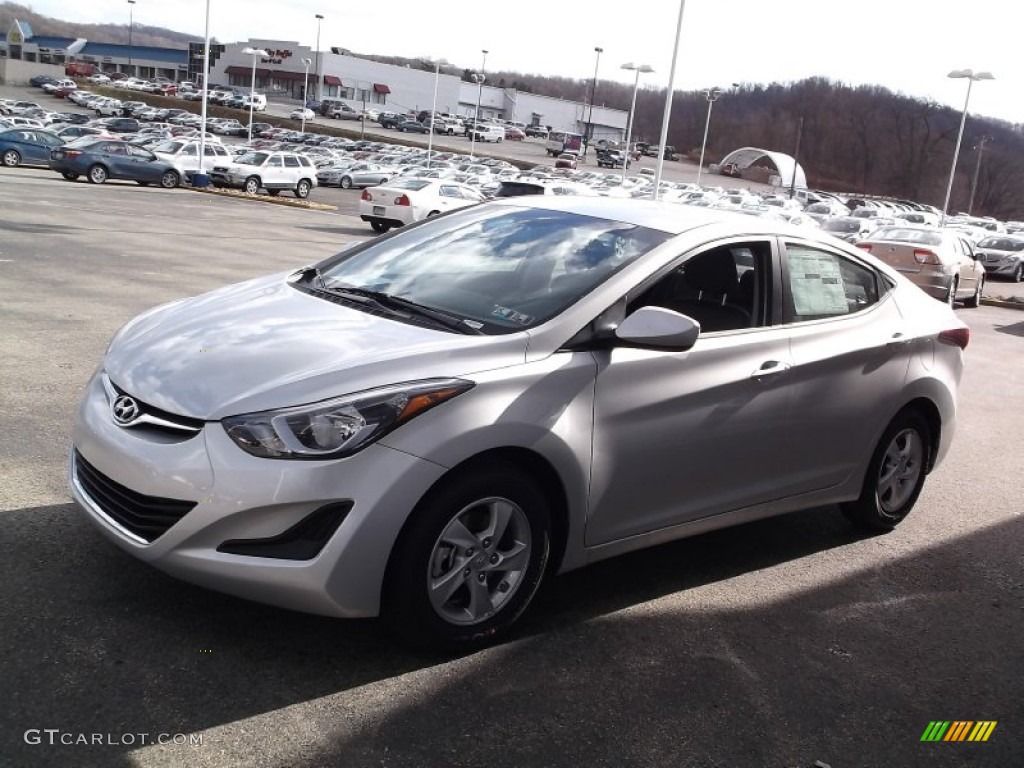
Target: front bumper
{"x": 239, "y": 497}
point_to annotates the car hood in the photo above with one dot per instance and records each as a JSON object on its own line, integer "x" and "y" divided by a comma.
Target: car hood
{"x": 263, "y": 344}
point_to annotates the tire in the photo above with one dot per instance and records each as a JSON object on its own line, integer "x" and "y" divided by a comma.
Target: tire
{"x": 895, "y": 475}
{"x": 379, "y": 226}
{"x": 346, "y": 182}
{"x": 975, "y": 301}
{"x": 69, "y": 176}
{"x": 252, "y": 185}
{"x": 951, "y": 296}
{"x": 1018, "y": 273}
{"x": 97, "y": 174}
{"x": 170, "y": 180}
{"x": 303, "y": 188}
{"x": 446, "y": 541}
{"x": 11, "y": 158}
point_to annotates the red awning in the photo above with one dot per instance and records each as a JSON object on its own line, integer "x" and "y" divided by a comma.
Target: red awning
{"x": 380, "y": 88}
{"x": 234, "y": 70}
{"x": 282, "y": 75}
{"x": 332, "y": 80}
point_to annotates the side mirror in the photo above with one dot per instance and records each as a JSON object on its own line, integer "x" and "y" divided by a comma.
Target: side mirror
{"x": 658, "y": 328}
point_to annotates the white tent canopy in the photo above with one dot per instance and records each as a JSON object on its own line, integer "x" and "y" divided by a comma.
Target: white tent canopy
{"x": 784, "y": 164}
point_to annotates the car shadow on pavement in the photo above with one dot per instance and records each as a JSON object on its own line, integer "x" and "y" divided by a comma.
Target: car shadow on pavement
{"x": 95, "y": 641}
{"x": 1015, "y": 329}
{"x": 365, "y": 232}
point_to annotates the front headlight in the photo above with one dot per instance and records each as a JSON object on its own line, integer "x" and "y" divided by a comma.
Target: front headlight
{"x": 340, "y": 427}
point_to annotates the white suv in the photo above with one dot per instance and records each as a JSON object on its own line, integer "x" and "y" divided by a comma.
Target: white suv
{"x": 184, "y": 155}
{"x": 272, "y": 171}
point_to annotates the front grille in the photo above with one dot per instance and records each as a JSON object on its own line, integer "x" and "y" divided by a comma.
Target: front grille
{"x": 157, "y": 418}
{"x": 148, "y": 517}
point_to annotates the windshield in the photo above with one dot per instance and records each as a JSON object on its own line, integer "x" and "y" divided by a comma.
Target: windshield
{"x": 904, "y": 235}
{"x": 1002, "y": 244}
{"x": 502, "y": 269}
{"x": 841, "y": 225}
{"x": 252, "y": 158}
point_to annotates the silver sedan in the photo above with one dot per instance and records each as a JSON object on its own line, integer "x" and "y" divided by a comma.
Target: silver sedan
{"x": 355, "y": 176}
{"x": 429, "y": 424}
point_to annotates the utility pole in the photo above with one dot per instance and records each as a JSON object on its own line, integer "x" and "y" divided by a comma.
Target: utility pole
{"x": 977, "y": 170}
{"x": 796, "y": 157}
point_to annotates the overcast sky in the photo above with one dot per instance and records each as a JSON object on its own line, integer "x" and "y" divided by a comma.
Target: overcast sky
{"x": 905, "y": 45}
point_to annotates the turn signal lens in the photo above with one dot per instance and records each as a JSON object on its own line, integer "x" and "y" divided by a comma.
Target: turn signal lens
{"x": 924, "y": 256}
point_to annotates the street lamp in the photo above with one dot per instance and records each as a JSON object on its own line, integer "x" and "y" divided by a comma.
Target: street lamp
{"x": 433, "y": 108}
{"x": 305, "y": 85}
{"x": 131, "y": 26}
{"x": 668, "y": 104}
{"x": 593, "y": 98}
{"x": 970, "y": 75}
{"x": 477, "y": 78}
{"x": 319, "y": 74}
{"x": 638, "y": 68}
{"x": 711, "y": 94}
{"x": 256, "y": 52}
{"x": 977, "y": 170}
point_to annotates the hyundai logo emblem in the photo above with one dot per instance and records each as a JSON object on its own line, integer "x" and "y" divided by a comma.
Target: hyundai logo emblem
{"x": 125, "y": 410}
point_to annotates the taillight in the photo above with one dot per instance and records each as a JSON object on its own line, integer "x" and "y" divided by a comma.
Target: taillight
{"x": 958, "y": 336}
{"x": 402, "y": 200}
{"x": 865, "y": 246}
{"x": 924, "y": 256}
{"x": 72, "y": 152}
{"x": 366, "y": 196}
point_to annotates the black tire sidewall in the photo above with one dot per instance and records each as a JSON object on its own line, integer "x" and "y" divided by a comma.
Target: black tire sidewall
{"x": 406, "y": 605}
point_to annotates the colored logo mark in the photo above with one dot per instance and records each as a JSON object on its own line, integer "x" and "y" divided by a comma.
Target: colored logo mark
{"x": 959, "y": 730}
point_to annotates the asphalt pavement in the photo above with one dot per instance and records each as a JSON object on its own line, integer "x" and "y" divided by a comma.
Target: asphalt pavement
{"x": 780, "y": 643}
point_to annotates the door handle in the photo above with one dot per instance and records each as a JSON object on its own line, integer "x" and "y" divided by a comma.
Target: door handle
{"x": 770, "y": 368}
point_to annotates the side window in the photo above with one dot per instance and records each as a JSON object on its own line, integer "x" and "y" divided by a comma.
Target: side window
{"x": 724, "y": 288}
{"x": 275, "y": 162}
{"x": 139, "y": 152}
{"x": 824, "y": 284}
{"x": 304, "y": 161}
{"x": 449, "y": 191}
{"x": 191, "y": 150}
{"x": 116, "y": 148}
{"x": 291, "y": 161}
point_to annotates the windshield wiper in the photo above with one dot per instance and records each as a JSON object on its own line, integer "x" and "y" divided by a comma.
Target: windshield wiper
{"x": 395, "y": 303}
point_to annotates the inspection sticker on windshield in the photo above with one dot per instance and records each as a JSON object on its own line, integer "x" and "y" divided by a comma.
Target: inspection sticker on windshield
{"x": 511, "y": 315}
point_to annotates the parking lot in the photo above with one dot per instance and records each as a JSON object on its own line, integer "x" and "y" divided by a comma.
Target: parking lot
{"x": 778, "y": 643}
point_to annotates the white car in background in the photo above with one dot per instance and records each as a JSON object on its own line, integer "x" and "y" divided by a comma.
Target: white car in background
{"x": 184, "y": 155}
{"x": 406, "y": 200}
{"x": 99, "y": 79}
{"x": 302, "y": 114}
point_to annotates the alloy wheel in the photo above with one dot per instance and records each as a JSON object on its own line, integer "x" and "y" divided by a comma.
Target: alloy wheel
{"x": 900, "y": 470}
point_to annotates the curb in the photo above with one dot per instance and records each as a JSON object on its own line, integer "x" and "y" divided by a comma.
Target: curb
{"x": 1005, "y": 304}
{"x": 285, "y": 201}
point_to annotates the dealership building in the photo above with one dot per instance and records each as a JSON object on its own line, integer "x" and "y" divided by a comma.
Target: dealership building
{"x": 282, "y": 75}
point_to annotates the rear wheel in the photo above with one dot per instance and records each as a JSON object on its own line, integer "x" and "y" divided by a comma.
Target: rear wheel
{"x": 12, "y": 158}
{"x": 975, "y": 300}
{"x": 252, "y": 185}
{"x": 346, "y": 182}
{"x": 170, "y": 179}
{"x": 97, "y": 174}
{"x": 380, "y": 226}
{"x": 302, "y": 189}
{"x": 895, "y": 475}
{"x": 469, "y": 560}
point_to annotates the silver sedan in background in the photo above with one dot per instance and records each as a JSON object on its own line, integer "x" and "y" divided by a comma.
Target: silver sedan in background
{"x": 428, "y": 424}
{"x": 355, "y": 175}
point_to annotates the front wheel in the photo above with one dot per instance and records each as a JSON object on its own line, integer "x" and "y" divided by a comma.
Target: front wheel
{"x": 11, "y": 158}
{"x": 170, "y": 179}
{"x": 302, "y": 189}
{"x": 895, "y": 475}
{"x": 470, "y": 559}
{"x": 97, "y": 174}
{"x": 252, "y": 185}
{"x": 1018, "y": 273}
{"x": 346, "y": 182}
{"x": 975, "y": 300}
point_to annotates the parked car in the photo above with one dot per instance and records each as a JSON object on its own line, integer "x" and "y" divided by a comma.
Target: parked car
{"x": 302, "y": 114}
{"x": 427, "y": 426}
{"x": 360, "y": 175}
{"x": 389, "y": 119}
{"x": 40, "y": 80}
{"x": 566, "y": 160}
{"x": 536, "y": 131}
{"x": 514, "y": 134}
{"x": 18, "y": 107}
{"x": 27, "y": 146}
{"x": 940, "y": 262}
{"x": 101, "y": 159}
{"x": 611, "y": 158}
{"x": 98, "y": 78}
{"x": 847, "y": 228}
{"x": 413, "y": 126}
{"x": 1002, "y": 256}
{"x": 407, "y": 200}
{"x": 183, "y": 155}
{"x": 66, "y": 84}
{"x": 77, "y": 131}
{"x": 272, "y": 171}
{"x": 342, "y": 111}
{"x": 121, "y": 125}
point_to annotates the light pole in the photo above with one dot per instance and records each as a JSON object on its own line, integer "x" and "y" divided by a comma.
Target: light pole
{"x": 131, "y": 26}
{"x": 305, "y": 85}
{"x": 483, "y": 69}
{"x": 319, "y": 74}
{"x": 638, "y": 68}
{"x": 711, "y": 94}
{"x": 977, "y": 170}
{"x": 593, "y": 96}
{"x": 477, "y": 78}
{"x": 668, "y": 104}
{"x": 970, "y": 76}
{"x": 433, "y": 108}
{"x": 256, "y": 52}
